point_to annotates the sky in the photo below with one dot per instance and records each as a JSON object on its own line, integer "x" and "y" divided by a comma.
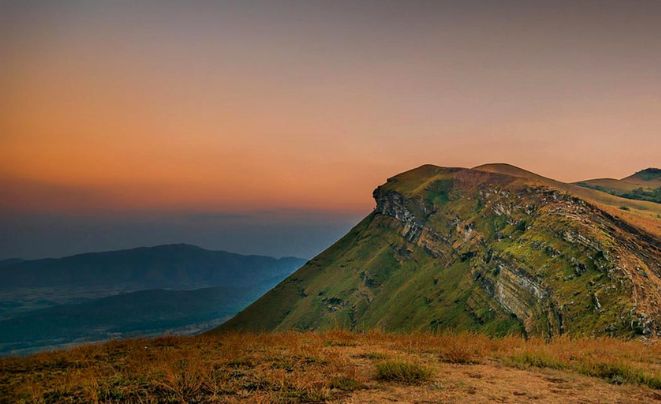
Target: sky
{"x": 264, "y": 126}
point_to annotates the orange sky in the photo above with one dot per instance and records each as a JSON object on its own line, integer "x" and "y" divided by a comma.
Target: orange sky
{"x": 236, "y": 107}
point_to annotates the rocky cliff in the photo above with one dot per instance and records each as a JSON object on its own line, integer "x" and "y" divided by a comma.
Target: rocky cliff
{"x": 476, "y": 249}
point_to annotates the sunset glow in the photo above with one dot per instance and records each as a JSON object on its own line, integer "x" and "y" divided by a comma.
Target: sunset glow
{"x": 236, "y": 107}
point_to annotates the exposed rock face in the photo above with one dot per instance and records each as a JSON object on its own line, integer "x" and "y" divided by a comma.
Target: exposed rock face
{"x": 514, "y": 288}
{"x": 393, "y": 204}
{"x": 464, "y": 249}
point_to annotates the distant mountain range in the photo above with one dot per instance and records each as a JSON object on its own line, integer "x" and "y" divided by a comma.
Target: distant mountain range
{"x": 495, "y": 249}
{"x": 142, "y": 291}
{"x": 177, "y": 266}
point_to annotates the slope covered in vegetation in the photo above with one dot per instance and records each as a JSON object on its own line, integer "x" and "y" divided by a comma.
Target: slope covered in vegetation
{"x": 494, "y": 249}
{"x": 645, "y": 185}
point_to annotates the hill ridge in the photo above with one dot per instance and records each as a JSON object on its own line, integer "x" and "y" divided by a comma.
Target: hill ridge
{"x": 647, "y": 174}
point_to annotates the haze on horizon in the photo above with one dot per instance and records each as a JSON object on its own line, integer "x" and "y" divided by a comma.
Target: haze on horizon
{"x": 122, "y": 120}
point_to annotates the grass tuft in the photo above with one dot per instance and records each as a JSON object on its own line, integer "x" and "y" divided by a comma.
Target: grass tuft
{"x": 345, "y": 384}
{"x": 402, "y": 372}
{"x": 536, "y": 359}
{"x": 372, "y": 356}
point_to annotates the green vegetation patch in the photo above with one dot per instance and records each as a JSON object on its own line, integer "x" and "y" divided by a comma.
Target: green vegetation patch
{"x": 536, "y": 359}
{"x": 372, "y": 356}
{"x": 438, "y": 193}
{"x": 619, "y": 373}
{"x": 640, "y": 193}
{"x": 402, "y": 372}
{"x": 613, "y": 372}
{"x": 346, "y": 384}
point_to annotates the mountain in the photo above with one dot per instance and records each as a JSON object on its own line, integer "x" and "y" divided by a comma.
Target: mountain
{"x": 179, "y": 266}
{"x": 88, "y": 297}
{"x": 495, "y": 249}
{"x": 644, "y": 185}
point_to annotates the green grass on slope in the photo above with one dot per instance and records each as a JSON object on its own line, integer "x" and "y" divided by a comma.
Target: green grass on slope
{"x": 498, "y": 259}
{"x": 624, "y": 189}
{"x": 371, "y": 279}
{"x": 272, "y": 308}
{"x": 416, "y": 181}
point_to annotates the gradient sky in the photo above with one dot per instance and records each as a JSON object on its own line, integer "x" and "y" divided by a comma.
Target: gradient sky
{"x": 136, "y": 112}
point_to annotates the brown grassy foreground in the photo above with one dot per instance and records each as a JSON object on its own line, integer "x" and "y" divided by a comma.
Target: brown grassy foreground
{"x": 338, "y": 366}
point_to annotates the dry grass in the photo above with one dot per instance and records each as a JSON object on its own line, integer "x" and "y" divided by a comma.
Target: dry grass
{"x": 314, "y": 367}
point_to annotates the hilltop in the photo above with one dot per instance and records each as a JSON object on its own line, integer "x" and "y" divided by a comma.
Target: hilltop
{"x": 644, "y": 185}
{"x": 495, "y": 249}
{"x": 646, "y": 176}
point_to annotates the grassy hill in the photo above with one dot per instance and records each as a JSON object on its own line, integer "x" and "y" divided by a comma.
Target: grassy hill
{"x": 644, "y": 185}
{"x": 494, "y": 249}
{"x": 646, "y": 176}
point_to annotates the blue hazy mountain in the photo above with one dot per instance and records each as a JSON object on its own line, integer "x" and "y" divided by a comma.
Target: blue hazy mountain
{"x": 142, "y": 291}
{"x": 179, "y": 266}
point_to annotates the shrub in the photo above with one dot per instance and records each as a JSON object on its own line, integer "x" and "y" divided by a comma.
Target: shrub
{"x": 403, "y": 372}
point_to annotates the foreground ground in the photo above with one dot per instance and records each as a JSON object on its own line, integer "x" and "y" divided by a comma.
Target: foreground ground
{"x": 339, "y": 366}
